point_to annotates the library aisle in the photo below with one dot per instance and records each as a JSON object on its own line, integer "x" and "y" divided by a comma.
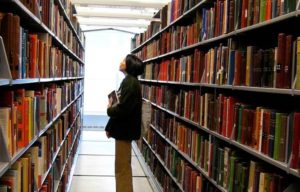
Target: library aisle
{"x": 94, "y": 170}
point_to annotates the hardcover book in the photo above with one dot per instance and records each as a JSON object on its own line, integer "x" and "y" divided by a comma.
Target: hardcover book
{"x": 114, "y": 97}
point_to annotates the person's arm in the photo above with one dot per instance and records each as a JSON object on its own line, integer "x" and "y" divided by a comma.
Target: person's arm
{"x": 126, "y": 104}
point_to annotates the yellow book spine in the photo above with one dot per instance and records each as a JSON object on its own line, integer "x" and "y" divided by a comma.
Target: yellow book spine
{"x": 297, "y": 86}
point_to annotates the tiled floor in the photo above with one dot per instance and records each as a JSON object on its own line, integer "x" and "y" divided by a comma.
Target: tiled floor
{"x": 94, "y": 170}
{"x": 95, "y": 121}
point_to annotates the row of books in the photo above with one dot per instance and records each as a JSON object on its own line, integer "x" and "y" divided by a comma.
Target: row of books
{"x": 69, "y": 8}
{"x": 168, "y": 14}
{"x": 219, "y": 17}
{"x": 32, "y": 55}
{"x": 26, "y": 112}
{"x": 65, "y": 179}
{"x": 229, "y": 15}
{"x": 184, "y": 69}
{"x": 63, "y": 154}
{"x": 278, "y": 141}
{"x": 249, "y": 66}
{"x": 228, "y": 168}
{"x": 58, "y": 177}
{"x": 188, "y": 178}
{"x": 175, "y": 9}
{"x": 28, "y": 172}
{"x": 172, "y": 39}
{"x": 185, "y": 103}
{"x": 268, "y": 130}
{"x": 64, "y": 33}
{"x": 49, "y": 13}
{"x": 158, "y": 170}
{"x": 153, "y": 28}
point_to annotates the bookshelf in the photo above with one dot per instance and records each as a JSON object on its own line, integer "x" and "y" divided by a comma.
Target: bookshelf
{"x": 41, "y": 91}
{"x": 203, "y": 61}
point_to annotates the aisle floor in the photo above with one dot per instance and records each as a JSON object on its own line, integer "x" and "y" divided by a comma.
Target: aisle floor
{"x": 94, "y": 170}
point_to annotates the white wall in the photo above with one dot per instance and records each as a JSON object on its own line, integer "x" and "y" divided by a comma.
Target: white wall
{"x": 103, "y": 53}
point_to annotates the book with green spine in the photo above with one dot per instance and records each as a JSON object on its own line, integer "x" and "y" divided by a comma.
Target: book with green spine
{"x": 231, "y": 183}
{"x": 278, "y": 128}
{"x": 262, "y": 10}
{"x": 239, "y": 126}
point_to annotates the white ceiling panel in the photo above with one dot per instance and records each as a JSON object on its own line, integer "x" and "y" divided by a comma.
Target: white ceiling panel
{"x": 133, "y": 15}
{"x": 122, "y": 3}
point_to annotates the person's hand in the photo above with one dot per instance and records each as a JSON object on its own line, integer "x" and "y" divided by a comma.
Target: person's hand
{"x": 107, "y": 134}
{"x": 109, "y": 102}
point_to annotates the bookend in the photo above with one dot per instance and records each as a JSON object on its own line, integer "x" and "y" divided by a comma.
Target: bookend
{"x": 4, "y": 66}
{"x": 56, "y": 173}
{"x": 293, "y": 187}
{"x": 294, "y": 65}
{"x": 4, "y": 155}
{"x": 294, "y": 83}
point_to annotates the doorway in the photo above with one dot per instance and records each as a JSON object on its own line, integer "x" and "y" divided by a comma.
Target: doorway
{"x": 103, "y": 54}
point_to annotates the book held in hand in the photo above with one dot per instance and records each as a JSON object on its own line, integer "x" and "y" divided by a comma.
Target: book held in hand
{"x": 114, "y": 96}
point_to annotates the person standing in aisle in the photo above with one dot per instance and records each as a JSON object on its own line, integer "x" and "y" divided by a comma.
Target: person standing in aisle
{"x": 124, "y": 124}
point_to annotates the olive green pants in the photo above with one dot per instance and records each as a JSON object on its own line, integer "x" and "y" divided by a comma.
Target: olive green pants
{"x": 123, "y": 172}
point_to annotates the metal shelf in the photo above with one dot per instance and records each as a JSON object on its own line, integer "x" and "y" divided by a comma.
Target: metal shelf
{"x": 3, "y": 167}
{"x": 24, "y": 81}
{"x": 187, "y": 158}
{"x": 152, "y": 179}
{"x": 24, "y": 150}
{"x": 34, "y": 22}
{"x": 67, "y": 19}
{"x": 69, "y": 154}
{"x": 58, "y": 149}
{"x": 186, "y": 14}
{"x": 164, "y": 165}
{"x": 38, "y": 80}
{"x": 45, "y": 80}
{"x": 263, "y": 90}
{"x": 64, "y": 47}
{"x": 73, "y": 167}
{"x": 4, "y": 82}
{"x": 249, "y": 150}
{"x": 236, "y": 32}
{"x": 296, "y": 92}
{"x": 232, "y": 87}
{"x": 268, "y": 22}
{"x": 294, "y": 172}
{"x": 261, "y": 156}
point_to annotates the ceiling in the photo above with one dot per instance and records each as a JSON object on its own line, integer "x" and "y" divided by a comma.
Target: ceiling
{"x": 125, "y": 15}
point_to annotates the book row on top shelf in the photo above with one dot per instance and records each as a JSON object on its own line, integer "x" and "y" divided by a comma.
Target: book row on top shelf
{"x": 240, "y": 59}
{"x": 70, "y": 10}
{"x": 244, "y": 65}
{"x": 34, "y": 52}
{"x": 55, "y": 11}
{"x": 209, "y": 19}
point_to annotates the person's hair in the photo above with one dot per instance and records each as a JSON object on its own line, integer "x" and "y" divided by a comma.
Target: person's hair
{"x": 134, "y": 66}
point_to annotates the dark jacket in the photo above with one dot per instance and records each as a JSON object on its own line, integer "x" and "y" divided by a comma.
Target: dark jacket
{"x": 125, "y": 117}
